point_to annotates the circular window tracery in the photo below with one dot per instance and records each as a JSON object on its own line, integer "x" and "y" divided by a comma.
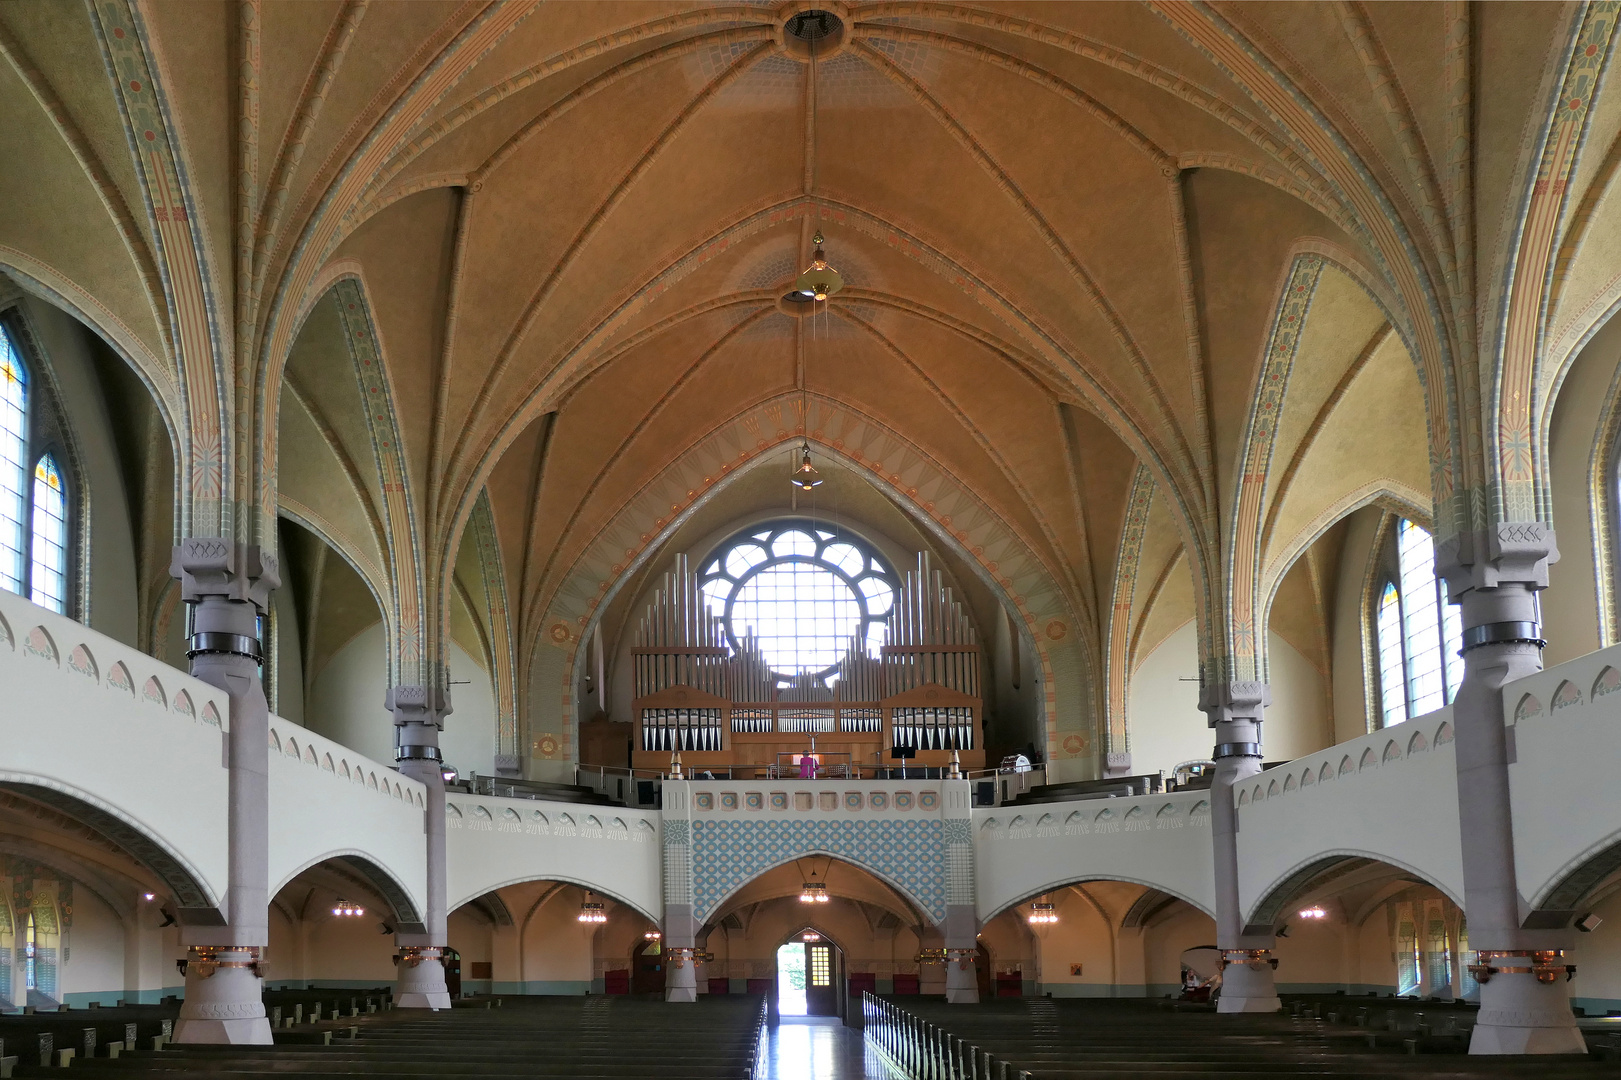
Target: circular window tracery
{"x": 803, "y": 592}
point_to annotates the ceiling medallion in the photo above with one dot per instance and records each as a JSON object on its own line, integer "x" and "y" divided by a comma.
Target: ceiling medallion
{"x": 807, "y": 29}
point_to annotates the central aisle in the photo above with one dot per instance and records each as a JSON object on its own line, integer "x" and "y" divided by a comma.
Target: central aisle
{"x": 820, "y": 1048}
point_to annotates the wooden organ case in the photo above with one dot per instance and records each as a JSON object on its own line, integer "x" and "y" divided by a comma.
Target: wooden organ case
{"x": 722, "y": 706}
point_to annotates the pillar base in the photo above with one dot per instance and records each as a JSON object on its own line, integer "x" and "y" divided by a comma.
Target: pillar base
{"x": 224, "y": 1002}
{"x": 421, "y": 980}
{"x": 962, "y": 980}
{"x": 1519, "y": 1015}
{"x": 1248, "y": 984}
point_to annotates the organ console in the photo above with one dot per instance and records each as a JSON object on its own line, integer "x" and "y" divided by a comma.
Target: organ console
{"x": 714, "y": 697}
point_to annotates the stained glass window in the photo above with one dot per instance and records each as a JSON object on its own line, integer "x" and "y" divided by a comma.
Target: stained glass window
{"x": 13, "y": 467}
{"x": 48, "y": 553}
{"x": 1391, "y": 682}
{"x": 804, "y": 593}
{"x": 1420, "y": 635}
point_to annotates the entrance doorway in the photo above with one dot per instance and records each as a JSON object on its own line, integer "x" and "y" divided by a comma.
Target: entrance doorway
{"x": 809, "y": 971}
{"x": 647, "y": 972}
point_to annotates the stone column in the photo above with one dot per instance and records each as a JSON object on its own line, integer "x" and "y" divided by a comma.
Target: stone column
{"x": 962, "y": 920}
{"x": 1235, "y": 709}
{"x": 1494, "y": 576}
{"x": 419, "y": 714}
{"x": 680, "y": 927}
{"x": 227, "y": 587}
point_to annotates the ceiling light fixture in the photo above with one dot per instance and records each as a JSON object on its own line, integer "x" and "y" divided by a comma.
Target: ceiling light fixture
{"x": 814, "y": 892}
{"x": 820, "y": 280}
{"x": 346, "y": 910}
{"x": 1314, "y": 912}
{"x": 591, "y": 911}
{"x": 1043, "y": 914}
{"x": 804, "y": 477}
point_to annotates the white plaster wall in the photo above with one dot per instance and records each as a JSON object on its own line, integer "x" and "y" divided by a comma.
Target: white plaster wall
{"x": 114, "y": 748}
{"x": 495, "y": 842}
{"x": 1297, "y": 720}
{"x": 1570, "y": 617}
{"x": 1164, "y": 724}
{"x": 289, "y": 668}
{"x": 1597, "y": 956}
{"x": 1388, "y": 800}
{"x": 469, "y": 738}
{"x": 346, "y": 702}
{"x": 1350, "y": 700}
{"x": 1560, "y": 755}
{"x": 1167, "y": 939}
{"x": 1157, "y": 840}
{"x": 1166, "y": 727}
{"x": 94, "y": 970}
{"x": 326, "y": 800}
{"x": 317, "y": 949}
{"x": 558, "y": 950}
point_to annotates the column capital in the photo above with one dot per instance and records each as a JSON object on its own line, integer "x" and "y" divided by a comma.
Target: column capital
{"x": 211, "y": 566}
{"x": 419, "y": 705}
{"x": 1508, "y": 553}
{"x": 1230, "y": 702}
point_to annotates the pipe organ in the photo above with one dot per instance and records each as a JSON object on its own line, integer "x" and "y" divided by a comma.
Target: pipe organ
{"x": 713, "y": 695}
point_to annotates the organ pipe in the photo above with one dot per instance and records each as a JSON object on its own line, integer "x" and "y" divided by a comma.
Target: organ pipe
{"x": 929, "y": 645}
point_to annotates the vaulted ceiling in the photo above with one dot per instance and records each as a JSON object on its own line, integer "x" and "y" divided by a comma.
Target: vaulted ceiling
{"x": 1066, "y": 233}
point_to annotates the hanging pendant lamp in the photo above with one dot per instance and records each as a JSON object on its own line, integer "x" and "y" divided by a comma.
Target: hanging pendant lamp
{"x": 805, "y": 475}
{"x": 820, "y": 280}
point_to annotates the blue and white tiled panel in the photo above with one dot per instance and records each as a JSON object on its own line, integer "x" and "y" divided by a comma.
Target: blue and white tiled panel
{"x": 816, "y": 798}
{"x": 730, "y": 851}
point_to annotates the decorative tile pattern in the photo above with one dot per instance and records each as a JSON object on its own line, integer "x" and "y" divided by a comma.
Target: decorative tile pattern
{"x": 704, "y": 800}
{"x": 852, "y": 800}
{"x": 878, "y": 800}
{"x": 903, "y": 800}
{"x": 928, "y": 800}
{"x": 754, "y": 800}
{"x": 779, "y": 800}
{"x": 728, "y": 800}
{"x": 911, "y": 854}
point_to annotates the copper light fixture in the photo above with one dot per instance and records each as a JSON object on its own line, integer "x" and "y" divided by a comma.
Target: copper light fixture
{"x": 1043, "y": 914}
{"x": 805, "y": 475}
{"x": 820, "y": 280}
{"x": 814, "y": 892}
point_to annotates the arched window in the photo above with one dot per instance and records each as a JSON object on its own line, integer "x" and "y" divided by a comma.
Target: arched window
{"x": 1420, "y": 634}
{"x": 1391, "y": 683}
{"x": 804, "y": 593}
{"x": 34, "y": 501}
{"x": 48, "y": 551}
{"x": 13, "y": 465}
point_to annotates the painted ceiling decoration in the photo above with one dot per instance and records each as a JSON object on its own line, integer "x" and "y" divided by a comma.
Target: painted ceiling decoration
{"x": 1138, "y": 300}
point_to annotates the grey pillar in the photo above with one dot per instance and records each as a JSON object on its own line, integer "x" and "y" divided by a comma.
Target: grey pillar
{"x": 680, "y": 924}
{"x": 419, "y": 714}
{"x": 961, "y": 927}
{"x": 1494, "y": 576}
{"x": 227, "y": 587}
{"x": 1235, "y": 709}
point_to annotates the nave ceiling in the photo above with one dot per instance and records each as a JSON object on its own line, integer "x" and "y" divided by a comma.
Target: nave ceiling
{"x": 1157, "y": 292}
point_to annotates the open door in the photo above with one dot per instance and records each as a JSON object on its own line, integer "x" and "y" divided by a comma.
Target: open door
{"x": 821, "y": 979}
